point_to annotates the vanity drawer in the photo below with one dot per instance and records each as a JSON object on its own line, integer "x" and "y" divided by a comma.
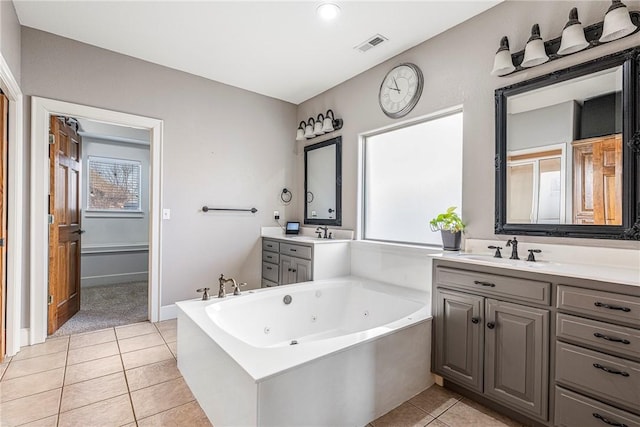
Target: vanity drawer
{"x": 271, "y": 257}
{"x": 296, "y": 250}
{"x": 270, "y": 245}
{"x": 575, "y": 410}
{"x": 609, "y": 377}
{"x": 491, "y": 284}
{"x": 605, "y": 336}
{"x": 268, "y": 283}
{"x": 270, "y": 272}
{"x": 603, "y": 305}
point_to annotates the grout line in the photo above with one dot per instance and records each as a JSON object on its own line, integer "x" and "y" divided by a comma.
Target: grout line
{"x": 126, "y": 381}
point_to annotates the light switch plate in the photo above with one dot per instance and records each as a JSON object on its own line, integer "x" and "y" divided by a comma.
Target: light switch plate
{"x": 166, "y": 213}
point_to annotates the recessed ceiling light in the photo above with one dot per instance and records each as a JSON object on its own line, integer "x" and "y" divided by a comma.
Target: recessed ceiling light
{"x": 328, "y": 11}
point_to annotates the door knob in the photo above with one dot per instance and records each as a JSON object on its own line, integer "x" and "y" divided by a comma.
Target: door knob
{"x": 475, "y": 320}
{"x": 491, "y": 325}
{"x": 79, "y": 231}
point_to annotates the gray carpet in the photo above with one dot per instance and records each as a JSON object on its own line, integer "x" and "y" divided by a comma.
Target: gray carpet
{"x": 107, "y": 306}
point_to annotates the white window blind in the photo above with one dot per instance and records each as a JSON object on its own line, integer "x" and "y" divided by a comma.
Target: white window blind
{"x": 114, "y": 185}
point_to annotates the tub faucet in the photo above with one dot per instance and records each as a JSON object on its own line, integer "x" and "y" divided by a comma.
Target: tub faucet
{"x": 514, "y": 248}
{"x": 222, "y": 280}
{"x": 325, "y": 229}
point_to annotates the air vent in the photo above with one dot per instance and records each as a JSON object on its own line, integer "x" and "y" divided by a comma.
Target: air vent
{"x": 371, "y": 43}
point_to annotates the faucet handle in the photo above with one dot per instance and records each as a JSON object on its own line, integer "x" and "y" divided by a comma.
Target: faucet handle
{"x": 498, "y": 254}
{"x": 205, "y": 293}
{"x": 236, "y": 287}
{"x": 531, "y": 257}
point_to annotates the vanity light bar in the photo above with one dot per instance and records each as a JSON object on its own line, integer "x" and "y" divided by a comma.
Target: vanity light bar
{"x": 618, "y": 23}
{"x": 324, "y": 123}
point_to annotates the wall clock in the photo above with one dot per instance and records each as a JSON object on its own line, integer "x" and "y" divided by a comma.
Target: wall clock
{"x": 400, "y": 90}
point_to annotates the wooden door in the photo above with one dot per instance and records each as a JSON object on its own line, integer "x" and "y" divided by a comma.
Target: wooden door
{"x": 517, "y": 356}
{"x": 597, "y": 180}
{"x": 4, "y": 129}
{"x": 64, "y": 229}
{"x": 458, "y": 338}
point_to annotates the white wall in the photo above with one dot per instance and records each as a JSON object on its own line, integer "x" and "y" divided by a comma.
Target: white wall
{"x": 115, "y": 245}
{"x": 456, "y": 66}
{"x": 223, "y": 146}
{"x": 10, "y": 37}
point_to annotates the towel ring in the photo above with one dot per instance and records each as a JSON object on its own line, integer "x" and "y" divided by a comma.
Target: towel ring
{"x": 286, "y": 196}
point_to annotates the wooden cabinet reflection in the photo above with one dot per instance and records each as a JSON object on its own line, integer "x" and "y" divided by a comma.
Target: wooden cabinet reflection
{"x": 597, "y": 180}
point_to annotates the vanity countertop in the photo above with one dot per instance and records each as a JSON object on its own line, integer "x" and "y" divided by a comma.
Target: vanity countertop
{"x": 307, "y": 235}
{"x": 304, "y": 239}
{"x": 621, "y": 275}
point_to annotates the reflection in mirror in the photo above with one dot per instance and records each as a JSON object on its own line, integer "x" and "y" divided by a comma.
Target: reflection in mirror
{"x": 564, "y": 152}
{"x": 323, "y": 183}
{"x": 568, "y": 151}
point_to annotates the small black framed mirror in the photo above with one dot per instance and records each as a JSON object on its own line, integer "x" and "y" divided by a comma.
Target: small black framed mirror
{"x": 568, "y": 152}
{"x": 323, "y": 183}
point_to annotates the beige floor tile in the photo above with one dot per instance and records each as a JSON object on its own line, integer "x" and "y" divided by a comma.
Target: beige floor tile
{"x": 173, "y": 346}
{"x": 139, "y": 342}
{"x": 92, "y": 338}
{"x": 92, "y": 391}
{"x": 51, "y": 421}
{"x": 169, "y": 335}
{"x": 93, "y": 352}
{"x": 55, "y": 345}
{"x": 161, "y": 397}
{"x": 116, "y": 411}
{"x": 31, "y": 384}
{"x": 435, "y": 400}
{"x": 20, "y": 368}
{"x": 471, "y": 414}
{"x": 167, "y": 325}
{"x": 405, "y": 415}
{"x": 31, "y": 408}
{"x": 136, "y": 329}
{"x": 185, "y": 415}
{"x": 93, "y": 369}
{"x": 3, "y": 368}
{"x": 437, "y": 423}
{"x": 149, "y": 375}
{"x": 146, "y": 356}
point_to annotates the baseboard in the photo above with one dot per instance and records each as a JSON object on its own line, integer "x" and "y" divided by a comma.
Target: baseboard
{"x": 112, "y": 279}
{"x": 24, "y": 337}
{"x": 168, "y": 312}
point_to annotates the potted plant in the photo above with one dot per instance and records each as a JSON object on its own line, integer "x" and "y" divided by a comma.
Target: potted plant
{"x": 450, "y": 226}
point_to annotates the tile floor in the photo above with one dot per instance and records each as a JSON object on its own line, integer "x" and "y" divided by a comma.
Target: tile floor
{"x": 127, "y": 376}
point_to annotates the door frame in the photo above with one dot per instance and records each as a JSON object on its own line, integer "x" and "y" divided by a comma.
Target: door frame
{"x": 15, "y": 185}
{"x": 41, "y": 110}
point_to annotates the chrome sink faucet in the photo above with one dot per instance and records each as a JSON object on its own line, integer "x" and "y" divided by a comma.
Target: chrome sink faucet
{"x": 221, "y": 292}
{"x": 514, "y": 248}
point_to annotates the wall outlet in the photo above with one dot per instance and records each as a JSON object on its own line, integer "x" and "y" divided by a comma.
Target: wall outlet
{"x": 166, "y": 213}
{"x": 276, "y": 215}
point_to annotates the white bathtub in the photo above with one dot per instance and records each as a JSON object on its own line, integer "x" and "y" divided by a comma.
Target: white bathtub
{"x": 359, "y": 349}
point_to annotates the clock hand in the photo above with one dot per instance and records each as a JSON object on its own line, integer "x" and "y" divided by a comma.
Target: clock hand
{"x": 393, "y": 88}
{"x": 396, "y": 84}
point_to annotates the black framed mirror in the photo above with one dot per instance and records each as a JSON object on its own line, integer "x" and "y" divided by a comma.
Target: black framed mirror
{"x": 323, "y": 182}
{"x": 568, "y": 152}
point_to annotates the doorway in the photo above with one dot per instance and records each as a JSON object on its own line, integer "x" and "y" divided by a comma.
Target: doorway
{"x": 99, "y": 232}
{"x": 4, "y": 138}
{"x": 42, "y": 110}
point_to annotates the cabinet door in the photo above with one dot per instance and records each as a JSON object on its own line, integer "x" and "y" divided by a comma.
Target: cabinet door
{"x": 287, "y": 276}
{"x": 458, "y": 337}
{"x": 301, "y": 270}
{"x": 517, "y": 356}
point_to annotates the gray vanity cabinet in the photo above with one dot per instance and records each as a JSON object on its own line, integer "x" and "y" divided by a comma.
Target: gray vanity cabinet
{"x": 460, "y": 334}
{"x": 487, "y": 340}
{"x": 516, "y": 355}
{"x": 294, "y": 270}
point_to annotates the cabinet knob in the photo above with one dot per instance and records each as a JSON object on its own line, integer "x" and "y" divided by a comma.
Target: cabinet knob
{"x": 491, "y": 325}
{"x": 293, "y": 270}
{"x": 475, "y": 320}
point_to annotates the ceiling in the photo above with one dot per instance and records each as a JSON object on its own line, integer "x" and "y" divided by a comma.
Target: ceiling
{"x": 278, "y": 49}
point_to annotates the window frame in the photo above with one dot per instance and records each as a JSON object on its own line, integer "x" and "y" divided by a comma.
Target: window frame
{"x": 361, "y": 190}
{"x": 94, "y": 212}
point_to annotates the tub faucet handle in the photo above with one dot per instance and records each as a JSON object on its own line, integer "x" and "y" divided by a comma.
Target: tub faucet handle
{"x": 236, "y": 287}
{"x": 532, "y": 257}
{"x": 205, "y": 293}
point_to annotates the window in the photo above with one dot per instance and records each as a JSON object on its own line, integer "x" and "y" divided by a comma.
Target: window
{"x": 411, "y": 174}
{"x": 114, "y": 185}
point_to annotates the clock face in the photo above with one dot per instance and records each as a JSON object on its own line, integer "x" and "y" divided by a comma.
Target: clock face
{"x": 400, "y": 90}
